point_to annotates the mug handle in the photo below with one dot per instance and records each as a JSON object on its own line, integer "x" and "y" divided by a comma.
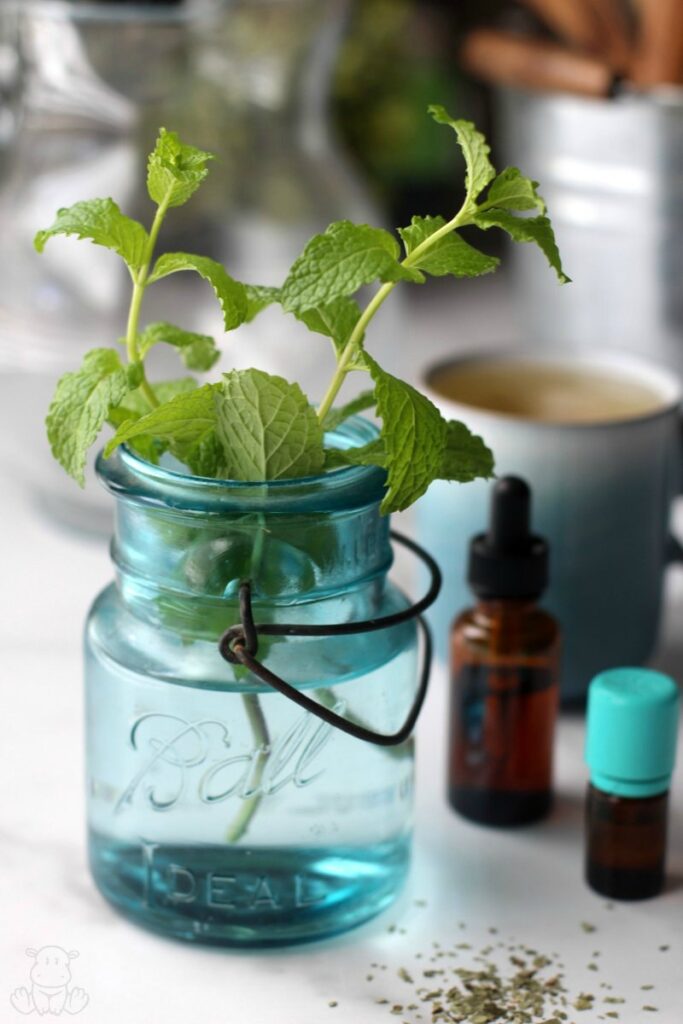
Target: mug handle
{"x": 674, "y": 547}
{"x": 674, "y": 550}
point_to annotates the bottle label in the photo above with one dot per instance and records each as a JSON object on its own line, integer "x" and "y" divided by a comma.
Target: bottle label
{"x": 503, "y": 718}
{"x": 477, "y": 682}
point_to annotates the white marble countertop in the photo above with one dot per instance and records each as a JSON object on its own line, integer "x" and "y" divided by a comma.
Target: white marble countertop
{"x": 527, "y": 883}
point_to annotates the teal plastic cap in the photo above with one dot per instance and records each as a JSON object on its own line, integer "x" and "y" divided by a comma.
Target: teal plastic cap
{"x": 632, "y": 731}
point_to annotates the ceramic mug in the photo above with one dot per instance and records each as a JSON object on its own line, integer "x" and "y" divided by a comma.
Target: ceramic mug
{"x": 602, "y": 495}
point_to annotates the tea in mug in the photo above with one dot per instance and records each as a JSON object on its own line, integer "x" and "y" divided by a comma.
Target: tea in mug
{"x": 546, "y": 392}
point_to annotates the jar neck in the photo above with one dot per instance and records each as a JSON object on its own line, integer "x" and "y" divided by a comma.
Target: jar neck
{"x": 182, "y": 545}
{"x": 181, "y": 562}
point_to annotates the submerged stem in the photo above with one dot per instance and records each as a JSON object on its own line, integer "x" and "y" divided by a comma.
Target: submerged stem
{"x": 257, "y": 722}
{"x": 259, "y": 730}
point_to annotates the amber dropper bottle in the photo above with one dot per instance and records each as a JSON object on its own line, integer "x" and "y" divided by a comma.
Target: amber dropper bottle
{"x": 630, "y": 750}
{"x": 504, "y": 673}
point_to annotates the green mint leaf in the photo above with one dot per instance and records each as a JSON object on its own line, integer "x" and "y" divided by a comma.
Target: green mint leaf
{"x": 187, "y": 418}
{"x": 339, "y": 262}
{"x": 267, "y": 428}
{"x": 512, "y": 191}
{"x": 197, "y": 351}
{"x": 465, "y": 456}
{"x": 372, "y": 454}
{"x": 175, "y": 171}
{"x": 80, "y": 407}
{"x": 335, "y": 459}
{"x": 475, "y": 148}
{"x": 230, "y": 293}
{"x": 365, "y": 400}
{"x": 450, "y": 255}
{"x": 526, "y": 229}
{"x": 102, "y": 222}
{"x": 201, "y": 456}
{"x": 414, "y": 437}
{"x": 204, "y": 457}
{"x": 120, "y": 413}
{"x": 168, "y": 389}
{"x": 147, "y": 447}
{"x": 135, "y": 404}
{"x": 335, "y": 320}
{"x": 259, "y": 296}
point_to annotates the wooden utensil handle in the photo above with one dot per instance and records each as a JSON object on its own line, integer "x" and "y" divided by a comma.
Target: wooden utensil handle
{"x": 658, "y": 59}
{"x": 572, "y": 20}
{"x": 616, "y": 34}
{"x": 508, "y": 59}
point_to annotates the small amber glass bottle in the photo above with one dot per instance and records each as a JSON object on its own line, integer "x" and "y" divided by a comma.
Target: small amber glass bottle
{"x": 504, "y": 673}
{"x": 630, "y": 750}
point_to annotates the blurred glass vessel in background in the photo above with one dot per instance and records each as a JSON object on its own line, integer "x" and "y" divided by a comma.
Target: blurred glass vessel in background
{"x": 281, "y": 176}
{"x": 247, "y": 80}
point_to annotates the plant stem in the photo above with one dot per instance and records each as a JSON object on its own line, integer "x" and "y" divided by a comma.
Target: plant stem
{"x": 139, "y": 286}
{"x": 259, "y": 730}
{"x": 257, "y": 722}
{"x": 351, "y": 348}
{"x": 132, "y": 340}
{"x": 345, "y": 363}
{"x": 162, "y": 210}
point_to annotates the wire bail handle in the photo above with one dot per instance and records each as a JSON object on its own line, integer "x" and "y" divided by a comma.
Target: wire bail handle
{"x": 239, "y": 646}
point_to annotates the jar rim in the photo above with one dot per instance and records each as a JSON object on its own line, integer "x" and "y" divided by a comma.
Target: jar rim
{"x": 128, "y": 475}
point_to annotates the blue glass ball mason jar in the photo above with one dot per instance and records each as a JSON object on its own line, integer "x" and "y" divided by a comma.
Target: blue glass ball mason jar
{"x": 218, "y": 810}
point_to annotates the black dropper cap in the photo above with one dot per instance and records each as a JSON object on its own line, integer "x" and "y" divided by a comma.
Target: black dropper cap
{"x": 508, "y": 561}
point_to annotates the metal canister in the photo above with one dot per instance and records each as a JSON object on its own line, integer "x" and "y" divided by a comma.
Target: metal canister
{"x": 612, "y": 174}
